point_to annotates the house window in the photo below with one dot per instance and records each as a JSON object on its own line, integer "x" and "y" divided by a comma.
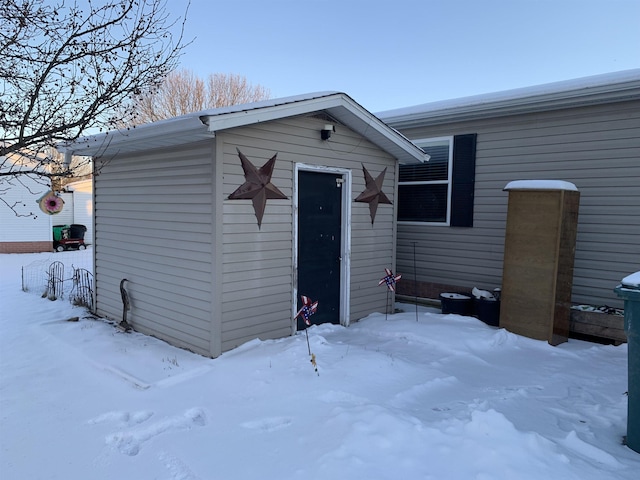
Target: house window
{"x": 440, "y": 191}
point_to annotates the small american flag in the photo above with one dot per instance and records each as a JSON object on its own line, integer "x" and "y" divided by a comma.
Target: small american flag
{"x": 390, "y": 279}
{"x": 308, "y": 308}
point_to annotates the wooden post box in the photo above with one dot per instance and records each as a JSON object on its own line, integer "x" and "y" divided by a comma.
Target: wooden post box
{"x": 540, "y": 242}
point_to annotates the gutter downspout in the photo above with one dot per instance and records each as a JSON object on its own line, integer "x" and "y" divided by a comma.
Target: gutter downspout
{"x": 68, "y": 156}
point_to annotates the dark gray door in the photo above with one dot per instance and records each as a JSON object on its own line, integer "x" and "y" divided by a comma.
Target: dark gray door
{"x": 319, "y": 243}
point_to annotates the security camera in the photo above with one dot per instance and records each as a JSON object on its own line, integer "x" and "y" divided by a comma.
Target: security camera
{"x": 326, "y": 131}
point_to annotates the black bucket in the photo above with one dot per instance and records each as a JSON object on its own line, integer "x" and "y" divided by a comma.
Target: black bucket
{"x": 77, "y": 231}
{"x": 488, "y": 310}
{"x": 456, "y": 303}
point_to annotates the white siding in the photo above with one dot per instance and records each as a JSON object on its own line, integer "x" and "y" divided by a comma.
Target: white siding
{"x": 257, "y": 266}
{"x": 65, "y": 217}
{"x": 154, "y": 227}
{"x": 83, "y": 206}
{"x": 597, "y": 148}
{"x": 26, "y": 222}
{"x": 83, "y": 213}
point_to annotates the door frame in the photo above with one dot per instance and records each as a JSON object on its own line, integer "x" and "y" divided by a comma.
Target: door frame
{"x": 345, "y": 241}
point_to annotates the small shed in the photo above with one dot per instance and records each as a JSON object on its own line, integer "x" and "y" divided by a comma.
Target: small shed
{"x": 220, "y": 220}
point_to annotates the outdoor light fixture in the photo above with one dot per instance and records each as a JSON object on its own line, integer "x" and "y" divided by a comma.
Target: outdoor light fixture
{"x": 326, "y": 131}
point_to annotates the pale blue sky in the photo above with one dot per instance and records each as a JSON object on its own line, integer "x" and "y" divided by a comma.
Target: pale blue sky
{"x": 396, "y": 53}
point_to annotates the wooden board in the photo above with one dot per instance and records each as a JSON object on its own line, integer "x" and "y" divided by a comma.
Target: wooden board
{"x": 598, "y": 325}
{"x": 538, "y": 263}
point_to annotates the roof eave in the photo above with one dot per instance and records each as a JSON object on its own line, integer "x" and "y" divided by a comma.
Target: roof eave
{"x": 379, "y": 133}
{"x": 161, "y": 134}
{"x": 204, "y": 125}
{"x": 472, "y": 110}
{"x": 339, "y": 106}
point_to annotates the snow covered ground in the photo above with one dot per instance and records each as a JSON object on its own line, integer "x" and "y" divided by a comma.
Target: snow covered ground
{"x": 440, "y": 397}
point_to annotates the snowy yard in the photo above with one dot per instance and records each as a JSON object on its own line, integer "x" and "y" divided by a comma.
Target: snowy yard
{"x": 441, "y": 397}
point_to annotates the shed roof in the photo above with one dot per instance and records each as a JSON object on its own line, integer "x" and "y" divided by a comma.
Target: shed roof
{"x": 199, "y": 125}
{"x": 606, "y": 88}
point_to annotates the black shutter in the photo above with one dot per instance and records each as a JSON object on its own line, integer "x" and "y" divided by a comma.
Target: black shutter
{"x": 463, "y": 180}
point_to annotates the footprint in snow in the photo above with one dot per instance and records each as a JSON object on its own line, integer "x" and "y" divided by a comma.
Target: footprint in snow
{"x": 130, "y": 441}
{"x": 177, "y": 468}
{"x": 123, "y": 418}
{"x": 268, "y": 424}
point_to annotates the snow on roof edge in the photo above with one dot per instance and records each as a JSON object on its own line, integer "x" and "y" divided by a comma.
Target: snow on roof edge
{"x": 531, "y": 92}
{"x": 170, "y": 124}
{"x": 205, "y": 123}
{"x": 273, "y": 102}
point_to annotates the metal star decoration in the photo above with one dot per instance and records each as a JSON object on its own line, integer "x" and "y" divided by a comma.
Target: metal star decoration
{"x": 373, "y": 194}
{"x": 257, "y": 185}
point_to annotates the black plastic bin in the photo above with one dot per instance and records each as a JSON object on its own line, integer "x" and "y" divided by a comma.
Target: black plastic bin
{"x": 77, "y": 231}
{"x": 487, "y": 310}
{"x": 456, "y": 303}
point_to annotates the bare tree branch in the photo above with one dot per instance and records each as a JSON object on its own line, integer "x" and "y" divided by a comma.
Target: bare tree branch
{"x": 72, "y": 68}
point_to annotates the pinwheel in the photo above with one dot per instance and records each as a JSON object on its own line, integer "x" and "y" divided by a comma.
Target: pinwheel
{"x": 309, "y": 307}
{"x": 390, "y": 280}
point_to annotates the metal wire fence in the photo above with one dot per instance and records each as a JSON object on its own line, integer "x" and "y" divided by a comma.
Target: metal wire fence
{"x": 62, "y": 275}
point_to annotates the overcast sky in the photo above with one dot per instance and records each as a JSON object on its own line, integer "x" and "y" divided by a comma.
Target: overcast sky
{"x": 389, "y": 54}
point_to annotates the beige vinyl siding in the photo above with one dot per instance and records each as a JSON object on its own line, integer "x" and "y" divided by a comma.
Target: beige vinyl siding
{"x": 154, "y": 227}
{"x": 256, "y": 300}
{"x": 372, "y": 246}
{"x": 597, "y": 148}
{"x": 257, "y": 265}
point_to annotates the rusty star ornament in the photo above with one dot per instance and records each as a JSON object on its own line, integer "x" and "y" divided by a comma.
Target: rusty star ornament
{"x": 257, "y": 186}
{"x": 373, "y": 194}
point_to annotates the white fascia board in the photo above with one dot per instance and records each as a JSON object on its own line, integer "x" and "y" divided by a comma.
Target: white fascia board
{"x": 197, "y": 126}
{"x": 339, "y": 106}
{"x": 241, "y": 118}
{"x": 502, "y": 108}
{"x": 169, "y": 132}
{"x": 401, "y": 147}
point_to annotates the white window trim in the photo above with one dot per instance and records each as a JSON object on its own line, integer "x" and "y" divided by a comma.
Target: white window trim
{"x": 447, "y": 182}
